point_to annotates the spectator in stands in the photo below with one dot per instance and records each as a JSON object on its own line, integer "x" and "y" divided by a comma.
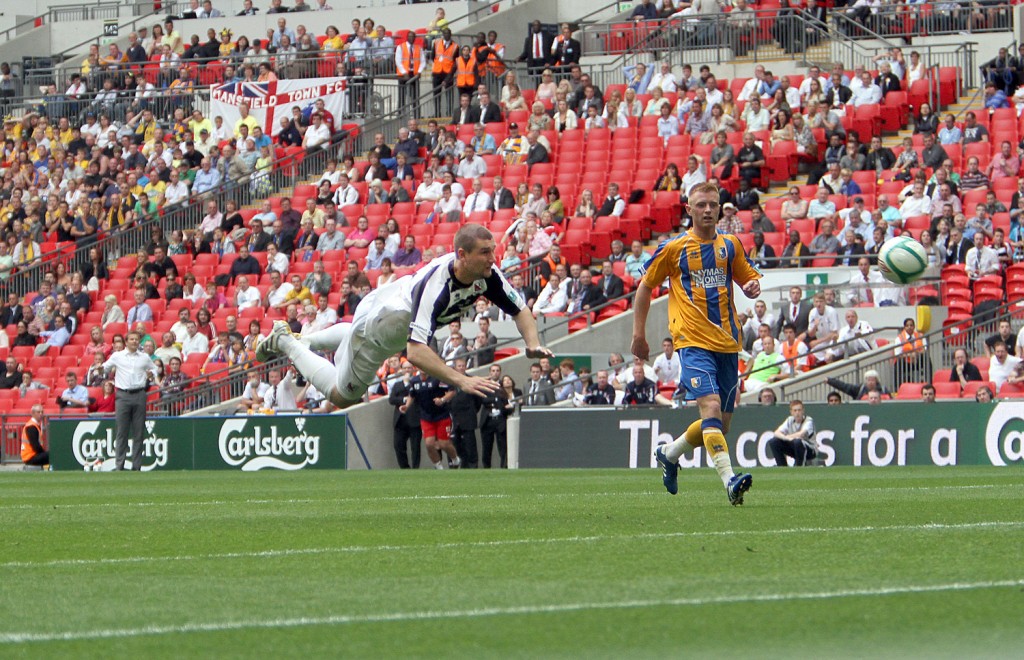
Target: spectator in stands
{"x": 871, "y": 384}
{"x": 1002, "y": 364}
{"x": 613, "y": 204}
{"x": 825, "y": 242}
{"x": 1004, "y": 164}
{"x": 984, "y": 394}
{"x": 600, "y": 393}
{"x": 995, "y": 98}
{"x": 750, "y": 159}
{"x": 981, "y": 259}
{"x": 1005, "y": 335}
{"x": 769, "y": 366}
{"x": 821, "y": 207}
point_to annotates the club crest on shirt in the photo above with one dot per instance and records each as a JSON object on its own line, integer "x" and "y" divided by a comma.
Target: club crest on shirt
{"x": 695, "y": 382}
{"x": 721, "y": 252}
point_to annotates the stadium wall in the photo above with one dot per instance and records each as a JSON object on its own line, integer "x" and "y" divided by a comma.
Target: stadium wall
{"x": 861, "y": 435}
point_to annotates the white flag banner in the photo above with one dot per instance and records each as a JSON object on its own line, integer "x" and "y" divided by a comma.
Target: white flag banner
{"x": 269, "y": 101}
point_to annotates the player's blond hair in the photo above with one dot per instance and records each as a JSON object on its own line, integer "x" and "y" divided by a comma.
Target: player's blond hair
{"x": 705, "y": 187}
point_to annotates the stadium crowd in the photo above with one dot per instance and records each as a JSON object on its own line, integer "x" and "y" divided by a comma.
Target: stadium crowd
{"x": 513, "y": 158}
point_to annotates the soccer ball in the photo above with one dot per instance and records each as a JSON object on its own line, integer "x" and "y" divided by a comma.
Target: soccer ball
{"x": 902, "y": 260}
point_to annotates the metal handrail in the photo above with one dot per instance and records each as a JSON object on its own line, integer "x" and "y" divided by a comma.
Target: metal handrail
{"x": 939, "y": 350}
{"x": 12, "y": 32}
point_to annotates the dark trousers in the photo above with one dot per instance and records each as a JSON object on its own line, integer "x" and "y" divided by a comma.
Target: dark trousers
{"x": 408, "y": 438}
{"x": 464, "y": 441}
{"x": 493, "y": 431}
{"x": 442, "y": 85}
{"x": 130, "y": 415}
{"x": 409, "y": 94}
{"x": 796, "y": 448}
{"x": 42, "y": 458}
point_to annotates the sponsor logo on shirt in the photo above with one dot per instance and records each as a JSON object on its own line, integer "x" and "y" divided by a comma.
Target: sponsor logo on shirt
{"x": 708, "y": 278}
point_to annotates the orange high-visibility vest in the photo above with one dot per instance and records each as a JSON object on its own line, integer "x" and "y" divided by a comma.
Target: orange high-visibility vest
{"x": 911, "y": 343}
{"x": 465, "y": 71}
{"x": 27, "y": 452}
{"x": 496, "y": 67}
{"x": 792, "y": 354}
{"x": 410, "y": 59}
{"x": 444, "y": 58}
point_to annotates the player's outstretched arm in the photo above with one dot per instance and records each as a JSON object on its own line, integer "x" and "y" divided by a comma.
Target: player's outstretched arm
{"x": 431, "y": 364}
{"x": 528, "y": 329}
{"x": 641, "y": 306}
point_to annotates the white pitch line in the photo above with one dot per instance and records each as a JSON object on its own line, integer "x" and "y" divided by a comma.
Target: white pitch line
{"x": 291, "y": 552}
{"x": 482, "y": 496}
{"x": 399, "y": 498}
{"x": 430, "y": 615}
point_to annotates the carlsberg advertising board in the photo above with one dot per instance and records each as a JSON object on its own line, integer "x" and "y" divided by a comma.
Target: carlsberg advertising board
{"x": 891, "y": 434}
{"x": 274, "y": 442}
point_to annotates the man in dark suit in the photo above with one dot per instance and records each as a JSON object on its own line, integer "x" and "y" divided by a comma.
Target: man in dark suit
{"x": 612, "y": 285}
{"x": 957, "y": 247}
{"x": 406, "y": 421}
{"x": 538, "y": 390}
{"x": 566, "y": 51}
{"x": 488, "y": 112}
{"x": 536, "y": 50}
{"x": 850, "y": 253}
{"x": 466, "y": 113}
{"x": 525, "y": 291}
{"x": 536, "y": 153}
{"x": 464, "y": 408}
{"x": 258, "y": 240}
{"x": 503, "y": 197}
{"x": 795, "y": 311}
{"x": 245, "y": 264}
{"x": 588, "y": 296}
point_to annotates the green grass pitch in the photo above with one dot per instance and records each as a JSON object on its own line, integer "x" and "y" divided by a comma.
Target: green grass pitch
{"x": 823, "y": 563}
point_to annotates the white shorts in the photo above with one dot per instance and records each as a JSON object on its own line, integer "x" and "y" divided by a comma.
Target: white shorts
{"x": 379, "y": 329}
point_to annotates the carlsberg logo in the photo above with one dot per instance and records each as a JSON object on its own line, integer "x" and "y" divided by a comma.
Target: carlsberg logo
{"x": 88, "y": 446}
{"x": 261, "y": 448}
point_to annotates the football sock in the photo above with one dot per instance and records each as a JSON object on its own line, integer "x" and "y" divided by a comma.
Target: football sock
{"x": 718, "y": 448}
{"x": 691, "y": 438}
{"x": 327, "y": 339}
{"x": 317, "y": 370}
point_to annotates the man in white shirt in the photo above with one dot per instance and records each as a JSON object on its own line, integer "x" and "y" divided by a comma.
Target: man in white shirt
{"x": 757, "y": 118}
{"x": 852, "y": 339}
{"x": 864, "y": 284}
{"x": 758, "y": 317}
{"x": 666, "y": 365}
{"x": 195, "y": 342}
{"x": 478, "y": 200}
{"x": 280, "y": 395}
{"x": 792, "y": 93}
{"x": 180, "y": 327}
{"x": 868, "y": 92}
{"x": 429, "y": 190}
{"x": 325, "y": 316}
{"x": 664, "y": 79}
{"x": 471, "y": 166}
{"x": 822, "y": 329}
{"x": 176, "y": 191}
{"x": 714, "y": 95}
{"x": 133, "y": 370}
{"x": 1001, "y": 364}
{"x": 317, "y": 136}
{"x": 277, "y": 294}
{"x": 981, "y": 259}
{"x": 276, "y": 260}
{"x": 246, "y": 296}
{"x": 345, "y": 194}
{"x": 252, "y": 395}
{"x": 552, "y": 298}
{"x": 917, "y": 203}
{"x": 752, "y": 86}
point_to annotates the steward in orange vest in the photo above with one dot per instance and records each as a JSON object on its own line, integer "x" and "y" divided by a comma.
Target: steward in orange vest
{"x": 409, "y": 64}
{"x": 465, "y": 71}
{"x": 32, "y": 452}
{"x": 443, "y": 69}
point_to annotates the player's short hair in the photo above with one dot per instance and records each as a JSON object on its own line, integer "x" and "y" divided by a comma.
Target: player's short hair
{"x": 467, "y": 237}
{"x": 705, "y": 187}
{"x": 796, "y": 402}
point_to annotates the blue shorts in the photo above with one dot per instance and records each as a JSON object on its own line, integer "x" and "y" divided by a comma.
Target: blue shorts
{"x": 705, "y": 372}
